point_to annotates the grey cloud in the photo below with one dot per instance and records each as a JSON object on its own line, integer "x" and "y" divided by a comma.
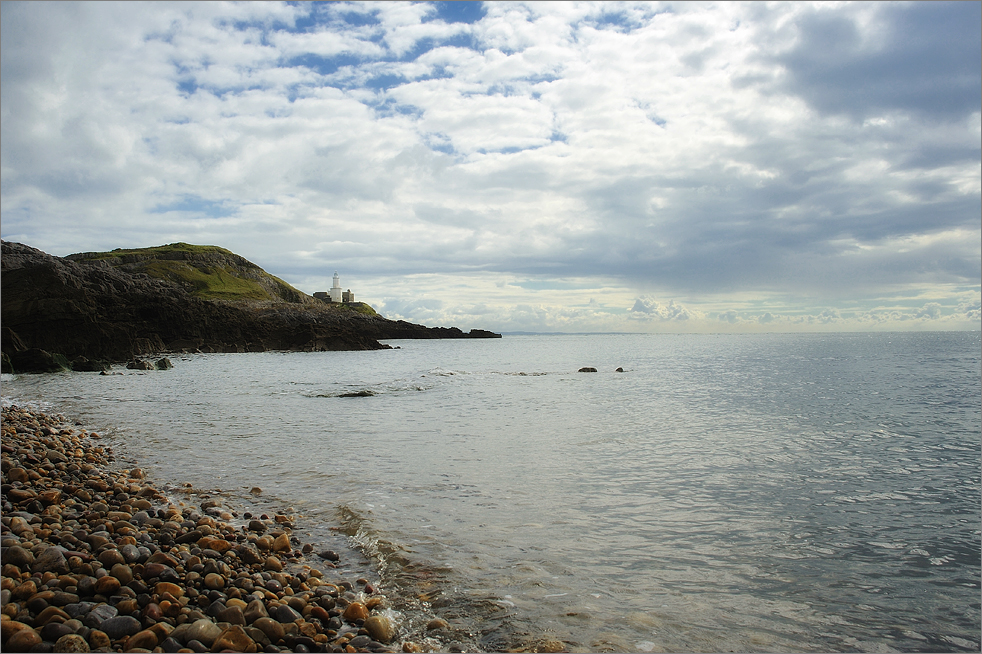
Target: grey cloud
{"x": 897, "y": 63}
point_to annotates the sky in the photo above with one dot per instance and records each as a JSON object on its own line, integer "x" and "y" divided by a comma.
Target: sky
{"x": 571, "y": 167}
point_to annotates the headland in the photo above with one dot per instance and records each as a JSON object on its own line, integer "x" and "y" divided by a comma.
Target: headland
{"x": 88, "y": 310}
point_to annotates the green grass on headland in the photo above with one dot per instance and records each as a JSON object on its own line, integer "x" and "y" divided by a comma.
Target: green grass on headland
{"x": 215, "y": 283}
{"x": 211, "y": 273}
{"x": 359, "y": 307}
{"x": 206, "y": 271}
{"x": 160, "y": 249}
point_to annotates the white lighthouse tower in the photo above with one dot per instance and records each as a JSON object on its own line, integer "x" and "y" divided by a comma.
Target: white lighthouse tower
{"x": 336, "y": 289}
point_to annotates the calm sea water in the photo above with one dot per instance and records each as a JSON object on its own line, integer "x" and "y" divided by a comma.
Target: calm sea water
{"x": 749, "y": 493}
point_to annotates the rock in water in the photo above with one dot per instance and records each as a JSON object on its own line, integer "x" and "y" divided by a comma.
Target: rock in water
{"x": 380, "y": 628}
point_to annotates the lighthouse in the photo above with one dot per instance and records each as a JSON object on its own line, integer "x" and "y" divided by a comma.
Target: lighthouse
{"x": 336, "y": 289}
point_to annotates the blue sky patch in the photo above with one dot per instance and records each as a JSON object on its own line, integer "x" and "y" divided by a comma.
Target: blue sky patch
{"x": 459, "y": 12}
{"x": 198, "y": 205}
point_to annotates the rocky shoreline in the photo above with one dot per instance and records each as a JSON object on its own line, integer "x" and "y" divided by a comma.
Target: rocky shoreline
{"x": 96, "y": 558}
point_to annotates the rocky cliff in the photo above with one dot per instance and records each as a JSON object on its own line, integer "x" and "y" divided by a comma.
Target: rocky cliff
{"x": 119, "y": 305}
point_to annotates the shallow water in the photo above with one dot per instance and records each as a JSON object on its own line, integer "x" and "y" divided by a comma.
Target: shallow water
{"x": 751, "y": 493}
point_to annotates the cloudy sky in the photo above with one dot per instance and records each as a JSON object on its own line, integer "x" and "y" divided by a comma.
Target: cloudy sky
{"x": 520, "y": 166}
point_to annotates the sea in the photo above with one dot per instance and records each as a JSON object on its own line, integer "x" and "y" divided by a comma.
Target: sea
{"x": 697, "y": 493}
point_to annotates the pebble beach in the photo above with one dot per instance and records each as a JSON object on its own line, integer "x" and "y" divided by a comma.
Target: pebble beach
{"x": 96, "y": 558}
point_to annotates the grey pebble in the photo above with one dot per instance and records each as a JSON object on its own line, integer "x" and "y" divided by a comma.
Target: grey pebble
{"x": 120, "y": 626}
{"x": 99, "y": 614}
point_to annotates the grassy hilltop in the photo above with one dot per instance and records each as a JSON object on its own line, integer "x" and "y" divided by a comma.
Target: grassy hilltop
{"x": 208, "y": 272}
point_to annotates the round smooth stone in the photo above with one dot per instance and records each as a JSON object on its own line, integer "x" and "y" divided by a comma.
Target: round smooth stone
{"x": 130, "y": 552}
{"x": 320, "y": 613}
{"x": 145, "y": 639}
{"x": 270, "y": 627}
{"x": 55, "y": 630}
{"x": 355, "y": 611}
{"x": 204, "y": 631}
{"x": 152, "y": 570}
{"x": 109, "y": 558}
{"x": 380, "y": 628}
{"x": 214, "y": 581}
{"x": 360, "y": 642}
{"x": 152, "y": 611}
{"x": 25, "y": 590}
{"x": 98, "y": 639}
{"x": 168, "y": 587}
{"x": 120, "y": 626}
{"x": 71, "y": 643}
{"x": 107, "y": 585}
{"x": 18, "y": 556}
{"x": 22, "y": 641}
{"x": 122, "y": 572}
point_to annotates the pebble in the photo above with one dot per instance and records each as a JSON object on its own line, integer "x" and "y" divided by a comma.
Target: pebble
{"x": 71, "y": 643}
{"x": 96, "y": 558}
{"x": 120, "y": 626}
{"x": 214, "y": 581}
{"x": 380, "y": 628}
{"x": 285, "y": 614}
{"x": 355, "y": 611}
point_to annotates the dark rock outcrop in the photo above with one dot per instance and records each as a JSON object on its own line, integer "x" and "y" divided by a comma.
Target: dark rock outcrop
{"x": 384, "y": 329}
{"x": 36, "y": 359}
{"x": 58, "y": 309}
{"x": 83, "y": 364}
